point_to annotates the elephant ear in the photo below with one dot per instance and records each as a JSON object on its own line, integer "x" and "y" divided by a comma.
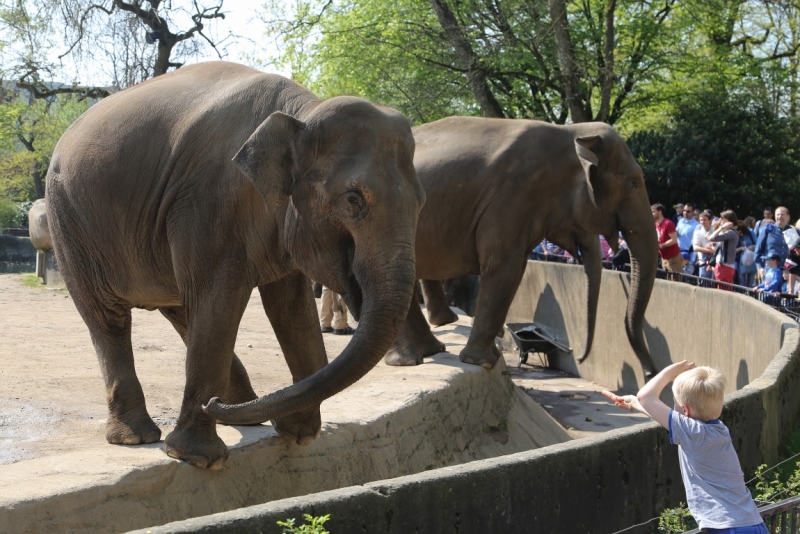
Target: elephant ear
{"x": 584, "y": 147}
{"x": 268, "y": 156}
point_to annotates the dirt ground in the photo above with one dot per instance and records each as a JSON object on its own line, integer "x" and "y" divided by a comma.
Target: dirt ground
{"x": 47, "y": 354}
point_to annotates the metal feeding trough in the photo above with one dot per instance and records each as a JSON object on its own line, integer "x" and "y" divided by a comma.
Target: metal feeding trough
{"x": 530, "y": 337}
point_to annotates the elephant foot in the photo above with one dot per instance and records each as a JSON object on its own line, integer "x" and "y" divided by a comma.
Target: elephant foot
{"x": 430, "y": 346}
{"x": 485, "y": 357}
{"x": 199, "y": 446}
{"x": 299, "y": 428}
{"x": 442, "y": 316}
{"x": 397, "y": 358}
{"x": 134, "y": 430}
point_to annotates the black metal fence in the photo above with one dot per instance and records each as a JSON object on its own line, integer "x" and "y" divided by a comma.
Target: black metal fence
{"x": 785, "y": 303}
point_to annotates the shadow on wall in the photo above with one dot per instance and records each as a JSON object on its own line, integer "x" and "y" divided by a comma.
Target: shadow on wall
{"x": 743, "y": 376}
{"x": 549, "y": 314}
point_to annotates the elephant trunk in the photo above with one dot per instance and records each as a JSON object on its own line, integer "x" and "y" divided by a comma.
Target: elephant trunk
{"x": 589, "y": 245}
{"x": 643, "y": 248}
{"x": 386, "y": 282}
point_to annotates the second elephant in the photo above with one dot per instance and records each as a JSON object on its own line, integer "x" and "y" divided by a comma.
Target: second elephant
{"x": 495, "y": 189}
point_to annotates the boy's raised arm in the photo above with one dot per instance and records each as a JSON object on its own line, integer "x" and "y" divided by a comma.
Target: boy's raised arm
{"x": 648, "y": 396}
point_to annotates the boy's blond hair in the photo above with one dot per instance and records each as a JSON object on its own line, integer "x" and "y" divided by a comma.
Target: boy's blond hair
{"x": 703, "y": 390}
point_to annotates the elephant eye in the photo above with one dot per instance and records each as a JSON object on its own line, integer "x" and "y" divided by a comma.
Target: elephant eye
{"x": 353, "y": 205}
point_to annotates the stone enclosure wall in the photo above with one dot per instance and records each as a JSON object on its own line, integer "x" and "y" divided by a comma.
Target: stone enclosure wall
{"x": 17, "y": 254}
{"x": 595, "y": 485}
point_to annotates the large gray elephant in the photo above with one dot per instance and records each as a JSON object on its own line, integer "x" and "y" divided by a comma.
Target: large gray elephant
{"x": 495, "y": 189}
{"x": 185, "y": 192}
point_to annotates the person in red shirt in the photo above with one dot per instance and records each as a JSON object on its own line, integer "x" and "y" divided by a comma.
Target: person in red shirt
{"x": 667, "y": 240}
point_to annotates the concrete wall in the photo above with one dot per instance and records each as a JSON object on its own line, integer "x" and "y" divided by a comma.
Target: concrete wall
{"x": 17, "y": 254}
{"x": 731, "y": 332}
{"x": 594, "y": 485}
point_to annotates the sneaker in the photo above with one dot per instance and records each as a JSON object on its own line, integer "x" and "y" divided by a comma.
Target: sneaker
{"x": 344, "y": 331}
{"x": 327, "y": 329}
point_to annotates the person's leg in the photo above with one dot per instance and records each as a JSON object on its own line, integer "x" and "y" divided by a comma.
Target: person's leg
{"x": 326, "y": 310}
{"x": 339, "y": 312}
{"x": 676, "y": 263}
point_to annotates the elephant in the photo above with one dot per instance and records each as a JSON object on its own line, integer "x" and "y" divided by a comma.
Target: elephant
{"x": 187, "y": 191}
{"x": 495, "y": 189}
{"x": 37, "y": 226}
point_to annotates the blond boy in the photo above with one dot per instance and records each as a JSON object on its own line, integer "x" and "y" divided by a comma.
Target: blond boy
{"x": 715, "y": 491}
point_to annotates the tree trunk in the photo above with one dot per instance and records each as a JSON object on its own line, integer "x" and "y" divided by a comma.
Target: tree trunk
{"x": 576, "y": 101}
{"x": 165, "y": 46}
{"x": 476, "y": 75}
{"x": 608, "y": 66}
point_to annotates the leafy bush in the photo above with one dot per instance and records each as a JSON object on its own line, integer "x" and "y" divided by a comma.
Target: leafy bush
{"x": 14, "y": 214}
{"x": 676, "y": 520}
{"x": 314, "y": 525}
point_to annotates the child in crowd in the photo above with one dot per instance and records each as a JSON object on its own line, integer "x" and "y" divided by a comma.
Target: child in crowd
{"x": 715, "y": 491}
{"x": 773, "y": 278}
{"x": 688, "y": 266}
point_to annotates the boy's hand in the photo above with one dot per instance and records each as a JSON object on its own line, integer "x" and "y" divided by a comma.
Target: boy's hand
{"x": 627, "y": 402}
{"x": 672, "y": 371}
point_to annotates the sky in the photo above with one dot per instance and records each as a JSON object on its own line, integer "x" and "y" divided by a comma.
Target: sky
{"x": 241, "y": 19}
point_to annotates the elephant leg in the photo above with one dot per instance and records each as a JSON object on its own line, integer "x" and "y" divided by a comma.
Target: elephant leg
{"x": 439, "y": 312}
{"x": 495, "y": 294}
{"x": 212, "y": 317}
{"x": 415, "y": 340}
{"x": 290, "y": 307}
{"x": 110, "y": 328}
{"x": 239, "y": 389}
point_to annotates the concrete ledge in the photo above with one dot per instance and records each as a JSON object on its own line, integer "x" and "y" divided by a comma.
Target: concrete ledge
{"x": 601, "y": 484}
{"x": 395, "y": 422}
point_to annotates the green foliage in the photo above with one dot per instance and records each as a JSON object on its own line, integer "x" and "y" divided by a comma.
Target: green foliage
{"x": 387, "y": 52}
{"x": 723, "y": 152}
{"x": 396, "y": 52}
{"x": 676, "y": 520}
{"x": 28, "y": 134}
{"x": 14, "y": 214}
{"x": 313, "y": 525}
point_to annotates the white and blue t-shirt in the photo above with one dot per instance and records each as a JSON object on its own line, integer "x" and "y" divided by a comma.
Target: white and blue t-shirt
{"x": 713, "y": 478}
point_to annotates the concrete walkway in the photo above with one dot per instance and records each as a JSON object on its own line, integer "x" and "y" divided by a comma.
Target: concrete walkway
{"x": 572, "y": 401}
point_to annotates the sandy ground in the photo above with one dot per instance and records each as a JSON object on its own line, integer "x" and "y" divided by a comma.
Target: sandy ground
{"x": 47, "y": 356}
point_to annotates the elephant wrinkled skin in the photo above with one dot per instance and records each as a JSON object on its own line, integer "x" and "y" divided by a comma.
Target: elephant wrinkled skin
{"x": 495, "y": 188}
{"x": 147, "y": 209}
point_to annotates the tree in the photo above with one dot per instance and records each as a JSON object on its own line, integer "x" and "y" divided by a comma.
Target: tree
{"x": 509, "y": 56}
{"x": 29, "y": 131}
{"x": 723, "y": 152}
{"x": 129, "y": 40}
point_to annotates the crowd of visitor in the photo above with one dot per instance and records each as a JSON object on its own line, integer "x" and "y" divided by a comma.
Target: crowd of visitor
{"x": 761, "y": 255}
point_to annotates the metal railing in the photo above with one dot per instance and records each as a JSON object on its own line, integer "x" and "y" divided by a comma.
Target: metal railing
{"x": 781, "y": 517}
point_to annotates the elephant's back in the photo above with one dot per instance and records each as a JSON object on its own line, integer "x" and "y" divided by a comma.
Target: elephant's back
{"x": 467, "y": 145}
{"x": 213, "y": 107}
